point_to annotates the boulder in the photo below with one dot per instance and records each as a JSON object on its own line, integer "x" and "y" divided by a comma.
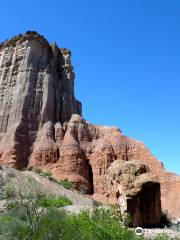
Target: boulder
{"x": 136, "y": 190}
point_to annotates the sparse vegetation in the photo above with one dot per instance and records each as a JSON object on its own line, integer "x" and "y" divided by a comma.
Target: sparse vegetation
{"x": 34, "y": 213}
{"x": 9, "y": 191}
{"x": 54, "y": 202}
{"x": 55, "y": 224}
{"x": 96, "y": 203}
{"x": 46, "y": 174}
{"x": 66, "y": 184}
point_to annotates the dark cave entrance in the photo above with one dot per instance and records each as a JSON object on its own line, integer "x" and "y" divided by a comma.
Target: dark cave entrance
{"x": 145, "y": 207}
{"x": 90, "y": 178}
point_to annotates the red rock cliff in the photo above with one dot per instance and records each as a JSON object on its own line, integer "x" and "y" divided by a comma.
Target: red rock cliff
{"x": 41, "y": 124}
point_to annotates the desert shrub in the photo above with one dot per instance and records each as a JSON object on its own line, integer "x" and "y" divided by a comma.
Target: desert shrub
{"x": 127, "y": 219}
{"x": 9, "y": 191}
{"x": 24, "y": 205}
{"x": 96, "y": 203}
{"x": 54, "y": 202}
{"x": 52, "y": 225}
{"x": 35, "y": 214}
{"x": 101, "y": 224}
{"x": 46, "y": 174}
{"x": 29, "y": 189}
{"x": 12, "y": 227}
{"x": 66, "y": 184}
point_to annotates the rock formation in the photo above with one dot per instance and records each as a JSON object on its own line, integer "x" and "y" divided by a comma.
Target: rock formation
{"x": 41, "y": 124}
{"x": 36, "y": 87}
{"x": 136, "y": 190}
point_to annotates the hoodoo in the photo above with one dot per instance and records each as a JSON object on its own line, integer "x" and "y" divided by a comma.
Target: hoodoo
{"x": 41, "y": 126}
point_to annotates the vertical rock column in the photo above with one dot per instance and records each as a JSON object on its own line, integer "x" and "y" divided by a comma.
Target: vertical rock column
{"x": 36, "y": 91}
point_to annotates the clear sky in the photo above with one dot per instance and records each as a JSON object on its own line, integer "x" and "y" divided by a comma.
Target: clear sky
{"x": 126, "y": 55}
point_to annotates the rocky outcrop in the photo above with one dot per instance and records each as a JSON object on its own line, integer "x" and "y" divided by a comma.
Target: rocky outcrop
{"x": 41, "y": 124}
{"x": 86, "y": 152}
{"x": 170, "y": 194}
{"x": 36, "y": 87}
{"x": 136, "y": 190}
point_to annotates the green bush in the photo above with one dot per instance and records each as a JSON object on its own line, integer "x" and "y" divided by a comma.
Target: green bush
{"x": 96, "y": 203}
{"x": 101, "y": 224}
{"x": 9, "y": 191}
{"x": 54, "y": 202}
{"x": 66, "y": 184}
{"x": 46, "y": 174}
{"x": 55, "y": 224}
{"x": 13, "y": 228}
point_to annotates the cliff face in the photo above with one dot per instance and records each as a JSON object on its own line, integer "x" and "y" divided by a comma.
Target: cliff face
{"x": 86, "y": 152}
{"x": 41, "y": 124}
{"x": 36, "y": 86}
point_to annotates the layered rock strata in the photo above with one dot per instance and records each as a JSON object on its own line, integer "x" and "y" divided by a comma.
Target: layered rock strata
{"x": 85, "y": 152}
{"x": 36, "y": 86}
{"x": 41, "y": 124}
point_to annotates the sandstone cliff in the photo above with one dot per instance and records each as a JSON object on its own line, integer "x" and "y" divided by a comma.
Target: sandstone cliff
{"x": 41, "y": 124}
{"x": 36, "y": 86}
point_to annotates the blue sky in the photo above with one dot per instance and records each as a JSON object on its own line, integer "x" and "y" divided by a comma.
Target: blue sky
{"x": 126, "y": 56}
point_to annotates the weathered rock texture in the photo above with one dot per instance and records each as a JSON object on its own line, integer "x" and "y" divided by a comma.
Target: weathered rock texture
{"x": 41, "y": 124}
{"x": 36, "y": 91}
{"x": 136, "y": 190}
{"x": 85, "y": 152}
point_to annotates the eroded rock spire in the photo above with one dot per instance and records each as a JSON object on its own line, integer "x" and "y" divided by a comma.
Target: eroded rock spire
{"x": 36, "y": 87}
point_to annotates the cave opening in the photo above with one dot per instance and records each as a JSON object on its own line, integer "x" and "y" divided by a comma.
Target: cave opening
{"x": 145, "y": 207}
{"x": 90, "y": 178}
